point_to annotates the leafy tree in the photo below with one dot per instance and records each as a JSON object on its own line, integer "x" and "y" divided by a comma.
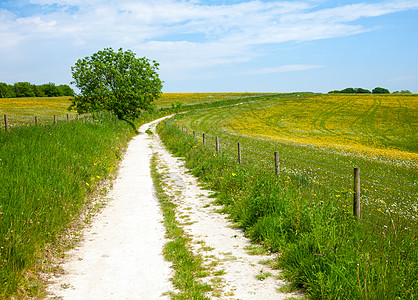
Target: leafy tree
{"x": 23, "y": 89}
{"x": 51, "y": 90}
{"x": 117, "y": 82}
{"x": 351, "y": 91}
{"x": 380, "y": 90}
{"x": 402, "y": 92}
{"x": 66, "y": 90}
{"x": 348, "y": 91}
{"x": 6, "y": 90}
{"x": 37, "y": 89}
{"x": 362, "y": 91}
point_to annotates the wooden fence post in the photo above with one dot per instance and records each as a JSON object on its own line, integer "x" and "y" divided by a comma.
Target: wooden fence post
{"x": 203, "y": 136}
{"x": 68, "y": 118}
{"x": 217, "y": 144}
{"x": 356, "y": 201}
{"x": 77, "y": 117}
{"x": 55, "y": 119}
{"x": 36, "y": 120}
{"x": 6, "y": 123}
{"x": 239, "y": 153}
{"x": 276, "y": 163}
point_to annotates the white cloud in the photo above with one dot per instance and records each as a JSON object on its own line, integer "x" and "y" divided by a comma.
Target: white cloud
{"x": 281, "y": 69}
{"x": 247, "y": 23}
{"x": 351, "y": 12}
{"x": 183, "y": 35}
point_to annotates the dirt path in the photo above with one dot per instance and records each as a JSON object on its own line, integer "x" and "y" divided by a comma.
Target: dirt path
{"x": 120, "y": 257}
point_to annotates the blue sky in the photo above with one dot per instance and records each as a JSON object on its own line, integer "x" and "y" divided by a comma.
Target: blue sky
{"x": 220, "y": 46}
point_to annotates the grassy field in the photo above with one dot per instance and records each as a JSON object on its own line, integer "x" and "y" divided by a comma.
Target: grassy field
{"x": 169, "y": 99}
{"x": 48, "y": 175}
{"x": 306, "y": 213}
{"x": 370, "y": 125}
{"x": 21, "y": 111}
{"x": 323, "y": 145}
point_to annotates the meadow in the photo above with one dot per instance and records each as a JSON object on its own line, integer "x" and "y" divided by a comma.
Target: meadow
{"x": 168, "y": 99}
{"x": 21, "y": 111}
{"x": 50, "y": 175}
{"x": 327, "y": 146}
{"x": 306, "y": 213}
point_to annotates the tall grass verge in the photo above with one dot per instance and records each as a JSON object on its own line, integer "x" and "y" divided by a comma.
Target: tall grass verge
{"x": 47, "y": 174}
{"x": 322, "y": 247}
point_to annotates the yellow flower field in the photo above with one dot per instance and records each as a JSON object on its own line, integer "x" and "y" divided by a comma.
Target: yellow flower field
{"x": 372, "y": 125}
{"x": 193, "y": 98}
{"x": 21, "y": 111}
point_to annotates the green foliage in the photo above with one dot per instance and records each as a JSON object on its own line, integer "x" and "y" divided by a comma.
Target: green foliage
{"x": 402, "y": 92}
{"x": 6, "y": 91}
{"x": 117, "y": 82}
{"x": 23, "y": 89}
{"x": 351, "y": 91}
{"x": 66, "y": 90}
{"x": 47, "y": 174}
{"x": 348, "y": 91}
{"x": 177, "y": 106}
{"x": 322, "y": 247}
{"x": 51, "y": 90}
{"x": 362, "y": 91}
{"x": 26, "y": 89}
{"x": 186, "y": 264}
{"x": 380, "y": 90}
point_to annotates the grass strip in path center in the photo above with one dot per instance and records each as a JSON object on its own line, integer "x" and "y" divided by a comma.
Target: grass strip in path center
{"x": 187, "y": 266}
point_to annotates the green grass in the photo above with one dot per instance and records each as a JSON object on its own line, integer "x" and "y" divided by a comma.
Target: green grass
{"x": 22, "y": 111}
{"x": 389, "y": 177}
{"x": 47, "y": 175}
{"x": 187, "y": 266}
{"x": 323, "y": 248}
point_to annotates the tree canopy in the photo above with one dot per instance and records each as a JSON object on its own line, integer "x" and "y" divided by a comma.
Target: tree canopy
{"x": 351, "y": 91}
{"x": 380, "y": 90}
{"x": 116, "y": 81}
{"x": 26, "y": 89}
{"x": 377, "y": 90}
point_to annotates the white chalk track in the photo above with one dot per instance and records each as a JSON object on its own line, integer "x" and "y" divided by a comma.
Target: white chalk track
{"x": 121, "y": 253}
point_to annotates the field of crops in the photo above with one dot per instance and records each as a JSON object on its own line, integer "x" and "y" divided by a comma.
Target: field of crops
{"x": 305, "y": 214}
{"x": 167, "y": 99}
{"x": 371, "y": 125}
{"x": 21, "y": 111}
{"x": 306, "y": 211}
{"x": 324, "y": 137}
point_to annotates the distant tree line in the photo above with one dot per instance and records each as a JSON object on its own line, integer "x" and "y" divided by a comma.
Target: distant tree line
{"x": 377, "y": 90}
{"x": 26, "y": 89}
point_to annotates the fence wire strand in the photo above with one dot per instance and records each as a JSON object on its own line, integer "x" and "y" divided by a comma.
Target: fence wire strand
{"x": 334, "y": 181}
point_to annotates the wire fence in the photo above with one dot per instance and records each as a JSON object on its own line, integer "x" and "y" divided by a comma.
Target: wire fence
{"x": 14, "y": 121}
{"x": 384, "y": 202}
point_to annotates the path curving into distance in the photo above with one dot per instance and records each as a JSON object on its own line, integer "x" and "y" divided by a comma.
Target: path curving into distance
{"x": 121, "y": 253}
